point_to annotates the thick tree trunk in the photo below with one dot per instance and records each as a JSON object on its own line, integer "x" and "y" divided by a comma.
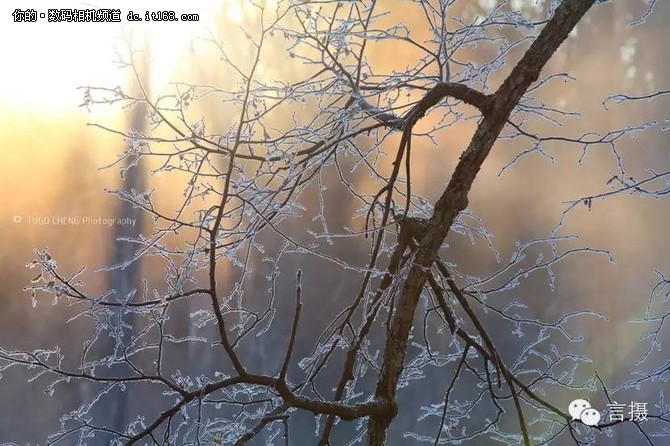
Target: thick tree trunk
{"x": 454, "y": 199}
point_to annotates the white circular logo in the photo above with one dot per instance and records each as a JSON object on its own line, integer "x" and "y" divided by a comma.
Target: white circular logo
{"x": 577, "y": 407}
{"x": 590, "y": 416}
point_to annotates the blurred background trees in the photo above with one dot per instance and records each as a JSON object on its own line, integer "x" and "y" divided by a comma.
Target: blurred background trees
{"x": 556, "y": 306}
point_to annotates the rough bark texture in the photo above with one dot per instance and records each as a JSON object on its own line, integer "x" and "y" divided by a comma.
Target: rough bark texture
{"x": 454, "y": 199}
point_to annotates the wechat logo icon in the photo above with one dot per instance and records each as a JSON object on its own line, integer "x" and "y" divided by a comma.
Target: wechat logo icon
{"x": 581, "y": 409}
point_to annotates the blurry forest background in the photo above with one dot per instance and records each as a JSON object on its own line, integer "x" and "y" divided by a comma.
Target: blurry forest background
{"x": 50, "y": 160}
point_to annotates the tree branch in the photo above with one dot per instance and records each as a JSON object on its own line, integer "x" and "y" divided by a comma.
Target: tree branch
{"x": 454, "y": 199}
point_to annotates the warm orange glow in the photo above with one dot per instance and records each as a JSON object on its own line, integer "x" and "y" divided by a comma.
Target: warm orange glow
{"x": 48, "y": 61}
